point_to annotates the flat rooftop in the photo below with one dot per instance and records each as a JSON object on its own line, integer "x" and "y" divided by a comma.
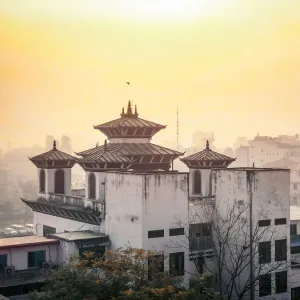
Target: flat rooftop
{"x": 25, "y": 241}
{"x": 294, "y": 213}
{"x": 77, "y": 235}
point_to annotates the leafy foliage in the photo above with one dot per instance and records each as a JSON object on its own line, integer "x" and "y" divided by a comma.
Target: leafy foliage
{"x": 121, "y": 274}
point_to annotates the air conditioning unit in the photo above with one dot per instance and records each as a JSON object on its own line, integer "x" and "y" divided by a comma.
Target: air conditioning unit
{"x": 47, "y": 265}
{"x": 10, "y": 271}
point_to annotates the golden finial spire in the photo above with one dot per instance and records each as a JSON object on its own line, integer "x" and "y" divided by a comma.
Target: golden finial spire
{"x": 54, "y": 145}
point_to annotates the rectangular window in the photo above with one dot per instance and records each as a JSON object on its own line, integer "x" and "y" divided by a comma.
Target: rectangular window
{"x": 265, "y": 285}
{"x": 280, "y": 250}
{"x": 264, "y": 252}
{"x": 263, "y": 223}
{"x": 155, "y": 265}
{"x": 295, "y": 293}
{"x": 36, "y": 258}
{"x": 280, "y": 221}
{"x": 177, "y": 263}
{"x": 293, "y": 229}
{"x": 176, "y": 231}
{"x": 295, "y": 250}
{"x": 48, "y": 230}
{"x": 3, "y": 262}
{"x": 281, "y": 282}
{"x": 155, "y": 234}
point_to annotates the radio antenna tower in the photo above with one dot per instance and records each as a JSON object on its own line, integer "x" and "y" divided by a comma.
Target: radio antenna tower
{"x": 177, "y": 128}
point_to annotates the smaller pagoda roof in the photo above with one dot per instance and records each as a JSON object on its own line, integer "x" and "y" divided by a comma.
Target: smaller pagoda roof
{"x": 131, "y": 149}
{"x": 53, "y": 155}
{"x": 105, "y": 156}
{"x": 129, "y": 119}
{"x": 209, "y": 156}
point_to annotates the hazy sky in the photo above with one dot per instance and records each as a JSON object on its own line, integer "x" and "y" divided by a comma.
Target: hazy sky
{"x": 232, "y": 67}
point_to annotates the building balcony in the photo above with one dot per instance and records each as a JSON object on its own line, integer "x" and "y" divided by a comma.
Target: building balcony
{"x": 20, "y": 277}
{"x": 64, "y": 199}
{"x": 202, "y": 243}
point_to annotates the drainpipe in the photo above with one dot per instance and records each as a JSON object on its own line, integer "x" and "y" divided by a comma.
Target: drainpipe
{"x": 250, "y": 177}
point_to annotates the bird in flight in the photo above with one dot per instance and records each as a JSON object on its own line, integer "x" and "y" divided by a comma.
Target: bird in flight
{"x": 128, "y": 82}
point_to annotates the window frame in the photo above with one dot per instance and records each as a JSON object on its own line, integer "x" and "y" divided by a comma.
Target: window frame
{"x": 268, "y": 258}
{"x": 264, "y": 223}
{"x": 92, "y": 192}
{"x": 37, "y": 263}
{"x": 197, "y": 184}
{"x": 176, "y": 231}
{"x": 3, "y": 258}
{"x": 280, "y": 221}
{"x": 262, "y": 281}
{"x": 291, "y": 230}
{"x": 57, "y": 184}
{"x": 281, "y": 254}
{"x": 42, "y": 187}
{"x": 179, "y": 257}
{"x": 152, "y": 234}
{"x": 278, "y": 289}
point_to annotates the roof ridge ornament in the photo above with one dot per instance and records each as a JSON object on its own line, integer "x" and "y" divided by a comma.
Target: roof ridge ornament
{"x": 207, "y": 145}
{"x": 54, "y": 145}
{"x": 105, "y": 145}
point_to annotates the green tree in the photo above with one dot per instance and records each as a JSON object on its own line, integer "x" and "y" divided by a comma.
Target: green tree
{"x": 122, "y": 274}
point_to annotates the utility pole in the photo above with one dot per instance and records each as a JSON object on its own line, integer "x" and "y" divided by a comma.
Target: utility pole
{"x": 177, "y": 128}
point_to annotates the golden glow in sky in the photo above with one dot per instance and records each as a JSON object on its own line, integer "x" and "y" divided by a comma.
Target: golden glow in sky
{"x": 231, "y": 66}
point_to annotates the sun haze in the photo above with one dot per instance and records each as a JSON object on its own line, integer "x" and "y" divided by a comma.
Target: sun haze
{"x": 232, "y": 67}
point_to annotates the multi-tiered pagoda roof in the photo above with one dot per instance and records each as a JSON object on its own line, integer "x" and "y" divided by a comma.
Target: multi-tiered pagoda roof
{"x": 129, "y": 138}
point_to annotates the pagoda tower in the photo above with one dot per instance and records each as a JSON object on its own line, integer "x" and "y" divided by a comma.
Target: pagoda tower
{"x": 129, "y": 138}
{"x": 200, "y": 165}
{"x": 54, "y": 172}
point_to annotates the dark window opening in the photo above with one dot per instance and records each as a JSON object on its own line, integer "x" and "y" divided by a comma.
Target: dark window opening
{"x": 42, "y": 181}
{"x": 295, "y": 250}
{"x": 197, "y": 182}
{"x": 176, "y": 231}
{"x": 155, "y": 234}
{"x": 59, "y": 182}
{"x": 177, "y": 263}
{"x": 155, "y": 265}
{"x": 295, "y": 293}
{"x": 280, "y": 221}
{"x": 264, "y": 252}
{"x": 265, "y": 287}
{"x": 293, "y": 229}
{"x": 3, "y": 262}
{"x": 92, "y": 186}
{"x": 36, "y": 259}
{"x": 280, "y": 250}
{"x": 263, "y": 223}
{"x": 48, "y": 230}
{"x": 281, "y": 282}
{"x": 114, "y": 166}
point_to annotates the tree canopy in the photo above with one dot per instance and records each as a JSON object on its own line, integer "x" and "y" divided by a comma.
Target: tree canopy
{"x": 127, "y": 273}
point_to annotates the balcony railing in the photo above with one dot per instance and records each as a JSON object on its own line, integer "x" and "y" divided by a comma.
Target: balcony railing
{"x": 202, "y": 243}
{"x": 67, "y": 200}
{"x": 25, "y": 276}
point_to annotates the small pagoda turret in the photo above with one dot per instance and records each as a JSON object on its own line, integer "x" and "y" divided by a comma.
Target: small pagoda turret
{"x": 200, "y": 165}
{"x": 129, "y": 127}
{"x": 54, "y": 171}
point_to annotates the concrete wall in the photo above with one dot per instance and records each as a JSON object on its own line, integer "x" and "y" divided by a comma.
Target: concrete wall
{"x": 269, "y": 191}
{"x": 18, "y": 257}
{"x": 61, "y": 224}
{"x": 138, "y": 203}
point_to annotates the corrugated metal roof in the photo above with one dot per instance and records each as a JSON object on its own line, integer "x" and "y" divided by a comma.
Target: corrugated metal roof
{"x": 105, "y": 157}
{"x": 129, "y": 122}
{"x": 24, "y": 241}
{"x": 130, "y": 149}
{"x": 78, "y": 235}
{"x": 53, "y": 155}
{"x": 207, "y": 155}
